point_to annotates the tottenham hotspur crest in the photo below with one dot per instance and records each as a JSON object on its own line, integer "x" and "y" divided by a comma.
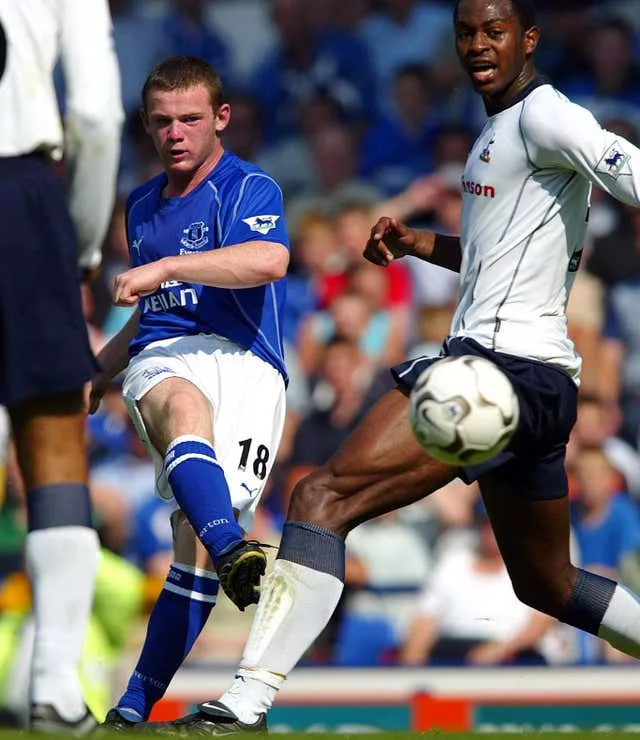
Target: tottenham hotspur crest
{"x": 485, "y": 154}
{"x": 195, "y": 235}
{"x": 261, "y": 224}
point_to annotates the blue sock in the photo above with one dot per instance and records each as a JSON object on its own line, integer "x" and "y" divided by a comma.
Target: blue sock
{"x": 182, "y": 609}
{"x": 200, "y": 488}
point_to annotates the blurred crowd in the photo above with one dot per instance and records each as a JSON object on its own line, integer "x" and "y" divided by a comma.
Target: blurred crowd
{"x": 358, "y": 109}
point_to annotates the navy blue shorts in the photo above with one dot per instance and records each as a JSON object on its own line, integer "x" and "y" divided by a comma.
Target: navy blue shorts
{"x": 44, "y": 343}
{"x": 533, "y": 463}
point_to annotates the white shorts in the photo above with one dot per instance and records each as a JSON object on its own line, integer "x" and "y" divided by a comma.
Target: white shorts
{"x": 247, "y": 397}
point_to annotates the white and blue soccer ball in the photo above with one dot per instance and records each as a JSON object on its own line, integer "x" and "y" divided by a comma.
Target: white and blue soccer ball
{"x": 463, "y": 410}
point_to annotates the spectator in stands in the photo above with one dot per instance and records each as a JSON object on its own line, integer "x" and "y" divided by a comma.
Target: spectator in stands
{"x": 452, "y": 144}
{"x": 151, "y": 543}
{"x": 597, "y": 425}
{"x": 352, "y": 226}
{"x": 468, "y": 612}
{"x": 606, "y": 525}
{"x": 340, "y": 396}
{"x": 138, "y": 42}
{"x": 350, "y": 316}
{"x": 620, "y": 356}
{"x": 314, "y": 257}
{"x": 391, "y": 325}
{"x": 287, "y": 161}
{"x": 433, "y": 286}
{"x": 610, "y": 85}
{"x": 139, "y": 161}
{"x": 404, "y": 32}
{"x": 379, "y": 600}
{"x": 244, "y": 135}
{"x": 398, "y": 147}
{"x": 606, "y": 521}
{"x": 187, "y": 29}
{"x": 614, "y": 257}
{"x": 305, "y": 62}
{"x": 561, "y": 54}
{"x": 339, "y": 16}
{"x": 119, "y": 458}
{"x": 334, "y": 152}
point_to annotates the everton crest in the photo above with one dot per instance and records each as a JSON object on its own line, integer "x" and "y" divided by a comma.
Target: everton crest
{"x": 195, "y": 235}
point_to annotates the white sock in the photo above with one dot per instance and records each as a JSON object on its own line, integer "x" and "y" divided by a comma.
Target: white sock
{"x": 248, "y": 697}
{"x": 295, "y": 605}
{"x": 620, "y": 625}
{"x": 62, "y": 563}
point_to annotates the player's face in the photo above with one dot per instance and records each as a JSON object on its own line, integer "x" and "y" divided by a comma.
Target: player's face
{"x": 492, "y": 47}
{"x": 184, "y": 128}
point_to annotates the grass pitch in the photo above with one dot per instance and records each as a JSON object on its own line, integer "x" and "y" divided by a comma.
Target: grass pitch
{"x": 436, "y": 735}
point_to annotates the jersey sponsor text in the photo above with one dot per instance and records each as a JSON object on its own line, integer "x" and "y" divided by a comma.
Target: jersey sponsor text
{"x": 478, "y": 189}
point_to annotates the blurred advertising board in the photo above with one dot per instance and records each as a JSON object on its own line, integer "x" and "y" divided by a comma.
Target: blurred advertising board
{"x": 455, "y": 699}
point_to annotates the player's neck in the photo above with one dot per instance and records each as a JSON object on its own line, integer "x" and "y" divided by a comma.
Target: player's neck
{"x": 180, "y": 184}
{"x": 512, "y": 93}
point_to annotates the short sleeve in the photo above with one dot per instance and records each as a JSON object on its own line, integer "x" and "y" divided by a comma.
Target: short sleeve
{"x": 258, "y": 213}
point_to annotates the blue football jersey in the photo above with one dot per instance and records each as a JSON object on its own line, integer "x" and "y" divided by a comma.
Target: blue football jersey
{"x": 236, "y": 203}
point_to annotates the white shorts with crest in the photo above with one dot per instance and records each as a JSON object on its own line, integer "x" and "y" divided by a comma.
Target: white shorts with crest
{"x": 247, "y": 397}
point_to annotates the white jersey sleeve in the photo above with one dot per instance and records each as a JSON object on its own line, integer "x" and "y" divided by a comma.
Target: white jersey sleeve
{"x": 93, "y": 119}
{"x": 565, "y": 135}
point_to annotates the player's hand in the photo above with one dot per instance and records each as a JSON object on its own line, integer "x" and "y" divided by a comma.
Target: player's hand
{"x": 95, "y": 390}
{"x": 390, "y": 239}
{"x": 133, "y": 284}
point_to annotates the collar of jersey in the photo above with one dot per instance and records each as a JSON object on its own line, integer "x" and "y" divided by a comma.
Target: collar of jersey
{"x": 176, "y": 200}
{"x": 526, "y": 90}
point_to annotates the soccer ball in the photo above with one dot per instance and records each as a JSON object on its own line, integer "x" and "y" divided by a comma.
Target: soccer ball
{"x": 463, "y": 410}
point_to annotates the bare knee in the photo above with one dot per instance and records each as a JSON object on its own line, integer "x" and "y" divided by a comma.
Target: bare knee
{"x": 548, "y": 591}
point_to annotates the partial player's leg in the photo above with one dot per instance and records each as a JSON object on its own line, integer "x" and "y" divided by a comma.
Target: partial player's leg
{"x": 183, "y": 607}
{"x": 61, "y": 549}
{"x": 380, "y": 468}
{"x": 533, "y": 536}
{"x": 178, "y": 421}
{"x": 46, "y": 360}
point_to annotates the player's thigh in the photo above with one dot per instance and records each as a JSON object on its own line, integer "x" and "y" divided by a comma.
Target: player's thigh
{"x": 164, "y": 397}
{"x": 381, "y": 467}
{"x": 50, "y": 438}
{"x": 534, "y": 539}
{"x": 173, "y": 408}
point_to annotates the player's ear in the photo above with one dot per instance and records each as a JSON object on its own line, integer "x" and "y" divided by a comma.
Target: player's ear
{"x": 530, "y": 40}
{"x": 223, "y": 116}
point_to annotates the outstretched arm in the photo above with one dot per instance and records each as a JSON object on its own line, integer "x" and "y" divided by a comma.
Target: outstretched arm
{"x": 237, "y": 266}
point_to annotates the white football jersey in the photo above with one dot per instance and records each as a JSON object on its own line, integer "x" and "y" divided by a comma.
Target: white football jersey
{"x": 38, "y": 33}
{"x": 526, "y": 189}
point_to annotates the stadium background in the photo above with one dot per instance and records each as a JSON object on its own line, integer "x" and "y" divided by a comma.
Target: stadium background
{"x": 372, "y": 117}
